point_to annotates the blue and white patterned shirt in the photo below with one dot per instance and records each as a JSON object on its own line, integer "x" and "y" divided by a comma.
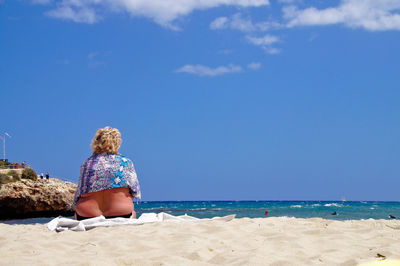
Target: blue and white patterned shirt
{"x": 106, "y": 171}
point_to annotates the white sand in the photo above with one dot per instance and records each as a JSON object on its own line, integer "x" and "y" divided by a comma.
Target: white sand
{"x": 268, "y": 241}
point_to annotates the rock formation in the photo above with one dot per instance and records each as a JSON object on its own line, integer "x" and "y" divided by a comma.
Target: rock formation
{"x": 36, "y": 198}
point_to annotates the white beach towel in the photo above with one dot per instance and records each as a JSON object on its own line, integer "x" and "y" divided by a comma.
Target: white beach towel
{"x": 64, "y": 224}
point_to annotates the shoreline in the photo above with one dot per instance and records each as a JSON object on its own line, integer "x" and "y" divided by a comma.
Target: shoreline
{"x": 32, "y": 220}
{"x": 242, "y": 241}
{"x": 252, "y": 209}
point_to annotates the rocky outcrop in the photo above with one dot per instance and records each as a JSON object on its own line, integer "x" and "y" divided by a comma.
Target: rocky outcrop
{"x": 36, "y": 198}
{"x": 5, "y": 171}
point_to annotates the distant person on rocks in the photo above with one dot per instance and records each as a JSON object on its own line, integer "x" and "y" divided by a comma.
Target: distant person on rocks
{"x": 41, "y": 175}
{"x": 108, "y": 182}
{"x": 47, "y": 175}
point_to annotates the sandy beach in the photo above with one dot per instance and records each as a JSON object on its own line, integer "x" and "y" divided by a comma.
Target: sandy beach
{"x": 245, "y": 241}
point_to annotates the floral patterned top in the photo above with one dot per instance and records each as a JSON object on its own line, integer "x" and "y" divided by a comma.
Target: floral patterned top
{"x": 106, "y": 171}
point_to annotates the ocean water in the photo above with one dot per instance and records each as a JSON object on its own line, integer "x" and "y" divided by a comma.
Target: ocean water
{"x": 345, "y": 210}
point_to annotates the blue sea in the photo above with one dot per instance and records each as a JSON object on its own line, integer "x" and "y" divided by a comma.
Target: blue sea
{"x": 343, "y": 210}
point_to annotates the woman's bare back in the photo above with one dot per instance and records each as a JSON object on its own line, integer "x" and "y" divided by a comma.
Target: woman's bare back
{"x": 111, "y": 202}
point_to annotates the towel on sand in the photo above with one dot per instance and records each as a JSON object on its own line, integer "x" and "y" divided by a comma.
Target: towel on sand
{"x": 63, "y": 224}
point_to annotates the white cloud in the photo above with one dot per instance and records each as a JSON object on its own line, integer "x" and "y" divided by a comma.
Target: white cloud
{"x": 219, "y": 23}
{"x": 237, "y": 22}
{"x": 254, "y": 66}
{"x": 265, "y": 43}
{"x": 272, "y": 50}
{"x": 287, "y": 1}
{"x": 163, "y": 12}
{"x": 202, "y": 70}
{"x": 373, "y": 15}
{"x": 80, "y": 15}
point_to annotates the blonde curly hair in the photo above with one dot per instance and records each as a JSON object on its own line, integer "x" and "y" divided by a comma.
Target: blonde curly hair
{"x": 106, "y": 140}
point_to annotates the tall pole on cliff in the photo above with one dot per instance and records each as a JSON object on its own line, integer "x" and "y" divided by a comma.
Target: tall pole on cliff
{"x": 4, "y": 147}
{"x": 4, "y": 144}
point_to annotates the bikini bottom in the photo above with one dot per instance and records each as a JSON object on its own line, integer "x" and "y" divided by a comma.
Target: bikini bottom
{"x": 79, "y": 218}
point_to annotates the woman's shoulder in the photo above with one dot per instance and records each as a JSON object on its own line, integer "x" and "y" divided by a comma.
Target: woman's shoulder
{"x": 115, "y": 158}
{"x": 93, "y": 159}
{"x": 87, "y": 160}
{"x": 124, "y": 159}
{"x": 107, "y": 158}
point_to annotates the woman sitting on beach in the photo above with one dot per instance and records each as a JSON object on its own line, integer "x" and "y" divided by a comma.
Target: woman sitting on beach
{"x": 107, "y": 182}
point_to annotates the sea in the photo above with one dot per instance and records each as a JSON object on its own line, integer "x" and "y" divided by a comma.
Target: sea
{"x": 334, "y": 210}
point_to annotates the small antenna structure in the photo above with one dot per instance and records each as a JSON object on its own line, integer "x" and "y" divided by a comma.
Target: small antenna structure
{"x": 3, "y": 138}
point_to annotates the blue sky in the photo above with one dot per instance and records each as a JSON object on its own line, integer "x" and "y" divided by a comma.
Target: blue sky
{"x": 215, "y": 100}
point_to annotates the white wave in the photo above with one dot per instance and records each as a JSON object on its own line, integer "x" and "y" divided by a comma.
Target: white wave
{"x": 316, "y": 205}
{"x": 333, "y": 205}
{"x": 372, "y": 208}
{"x": 295, "y": 206}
